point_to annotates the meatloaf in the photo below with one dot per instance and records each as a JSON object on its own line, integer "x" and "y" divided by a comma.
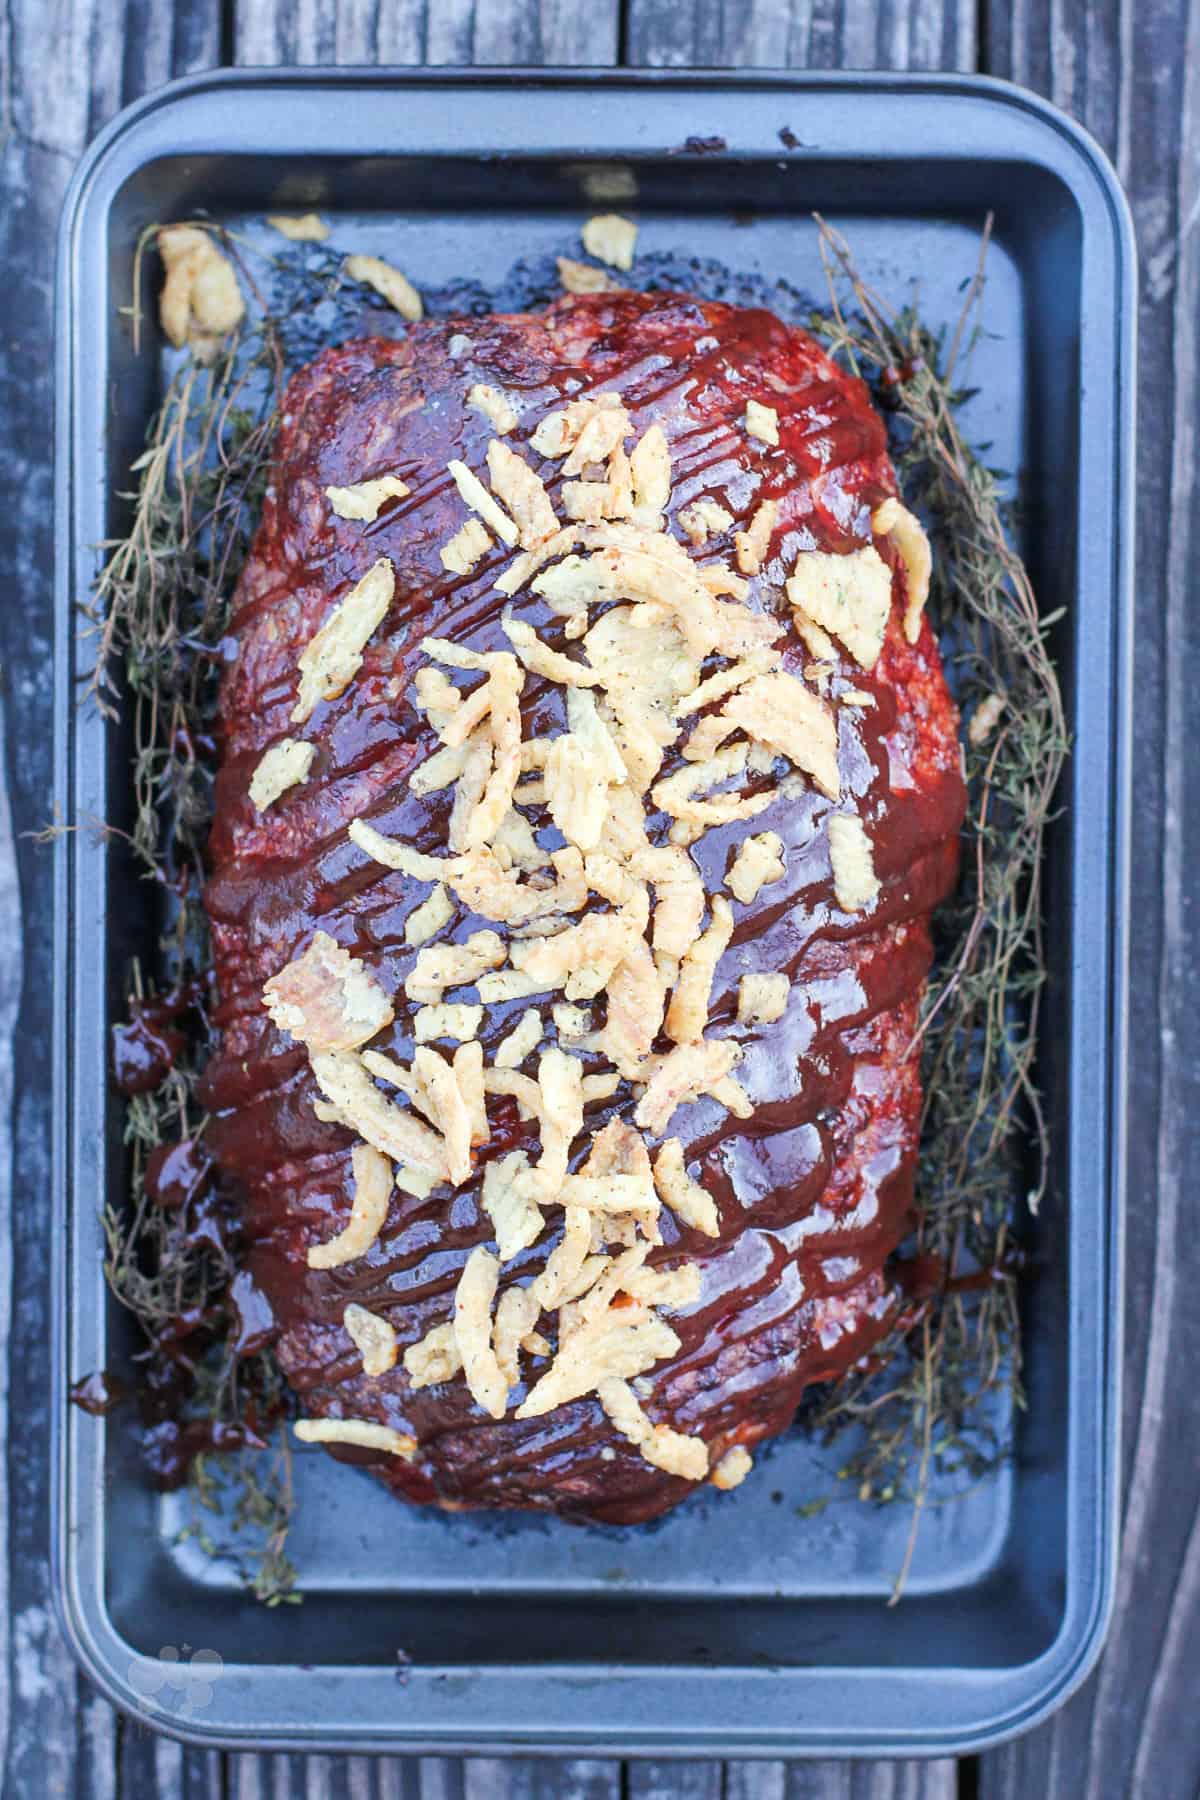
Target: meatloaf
{"x": 588, "y": 779}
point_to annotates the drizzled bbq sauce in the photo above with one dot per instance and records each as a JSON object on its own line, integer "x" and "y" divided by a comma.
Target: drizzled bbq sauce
{"x": 175, "y": 1172}
{"x": 99, "y": 1393}
{"x": 235, "y": 1321}
{"x": 145, "y": 1048}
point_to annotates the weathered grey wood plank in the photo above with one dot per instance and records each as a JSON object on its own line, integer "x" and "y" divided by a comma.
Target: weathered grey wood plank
{"x": 843, "y": 1780}
{"x": 1132, "y": 75}
{"x": 62, "y": 79}
{"x": 536, "y": 1778}
{"x": 674, "y": 1780}
{"x": 150, "y": 1765}
{"x": 808, "y": 34}
{"x": 426, "y": 31}
{"x": 425, "y": 1778}
{"x": 440, "y": 1778}
{"x": 249, "y": 1777}
{"x": 396, "y": 1778}
{"x": 871, "y": 1781}
{"x": 755, "y": 1781}
{"x": 11, "y": 969}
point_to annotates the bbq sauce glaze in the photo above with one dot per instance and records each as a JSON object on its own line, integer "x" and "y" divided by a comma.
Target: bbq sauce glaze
{"x": 814, "y": 1192}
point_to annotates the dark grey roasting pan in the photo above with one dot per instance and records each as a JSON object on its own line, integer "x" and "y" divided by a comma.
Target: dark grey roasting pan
{"x": 738, "y": 1626}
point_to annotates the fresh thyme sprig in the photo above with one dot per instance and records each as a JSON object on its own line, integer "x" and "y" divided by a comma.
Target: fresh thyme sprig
{"x": 161, "y": 610}
{"x": 935, "y": 1406}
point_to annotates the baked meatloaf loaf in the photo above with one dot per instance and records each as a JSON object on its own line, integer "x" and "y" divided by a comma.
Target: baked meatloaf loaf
{"x": 588, "y": 779}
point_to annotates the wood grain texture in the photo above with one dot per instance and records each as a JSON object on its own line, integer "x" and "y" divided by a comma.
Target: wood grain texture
{"x": 11, "y": 965}
{"x": 537, "y": 1778}
{"x": 334, "y": 1778}
{"x": 1131, "y": 73}
{"x": 756, "y": 1781}
{"x": 674, "y": 1781}
{"x": 426, "y": 31}
{"x": 802, "y": 34}
{"x": 872, "y": 1780}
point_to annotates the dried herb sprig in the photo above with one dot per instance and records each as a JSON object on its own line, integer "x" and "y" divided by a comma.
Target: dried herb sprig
{"x": 162, "y": 599}
{"x": 935, "y": 1408}
{"x": 161, "y": 610}
{"x": 252, "y": 1493}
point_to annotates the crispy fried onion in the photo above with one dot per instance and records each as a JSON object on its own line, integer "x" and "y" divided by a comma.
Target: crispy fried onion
{"x": 658, "y": 1445}
{"x": 327, "y": 999}
{"x": 372, "y": 1191}
{"x": 580, "y": 959}
{"x": 687, "y": 1014}
{"x": 363, "y": 1434}
{"x": 849, "y": 596}
{"x": 284, "y": 765}
{"x": 855, "y": 883}
{"x": 617, "y": 1344}
{"x": 364, "y": 500}
{"x": 908, "y": 535}
{"x": 733, "y": 1468}
{"x": 332, "y": 658}
{"x": 516, "y": 1217}
{"x": 420, "y": 1153}
{"x": 759, "y": 860}
{"x": 690, "y": 1203}
{"x": 702, "y": 519}
{"x": 468, "y": 546}
{"x": 582, "y": 765}
{"x": 679, "y": 794}
{"x": 373, "y": 1337}
{"x": 473, "y": 1299}
{"x": 517, "y": 1314}
{"x": 777, "y": 709}
{"x": 762, "y": 999}
{"x": 434, "y": 1358}
{"x": 481, "y": 881}
{"x": 200, "y": 300}
{"x": 440, "y": 966}
{"x": 752, "y": 544}
{"x": 586, "y": 430}
{"x": 523, "y": 493}
{"x": 616, "y": 1183}
{"x": 689, "y": 1072}
{"x": 448, "y": 1109}
{"x": 494, "y": 405}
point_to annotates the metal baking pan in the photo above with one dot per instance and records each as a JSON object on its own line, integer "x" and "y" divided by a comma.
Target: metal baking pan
{"x": 733, "y": 1627}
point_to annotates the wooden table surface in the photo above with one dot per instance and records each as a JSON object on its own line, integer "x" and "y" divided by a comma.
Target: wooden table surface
{"x": 1131, "y": 74}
